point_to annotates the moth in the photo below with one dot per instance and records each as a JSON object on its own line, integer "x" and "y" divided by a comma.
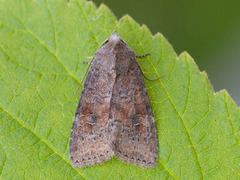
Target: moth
{"x": 114, "y": 115}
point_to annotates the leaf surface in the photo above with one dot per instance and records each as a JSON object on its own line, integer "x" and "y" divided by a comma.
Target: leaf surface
{"x": 43, "y": 45}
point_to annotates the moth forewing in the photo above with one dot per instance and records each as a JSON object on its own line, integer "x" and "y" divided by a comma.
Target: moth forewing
{"x": 114, "y": 114}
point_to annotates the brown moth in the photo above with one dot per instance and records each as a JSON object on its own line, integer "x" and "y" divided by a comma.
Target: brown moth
{"x": 114, "y": 114}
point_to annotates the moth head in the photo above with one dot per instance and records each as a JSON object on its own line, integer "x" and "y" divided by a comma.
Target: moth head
{"x": 114, "y": 42}
{"x": 114, "y": 36}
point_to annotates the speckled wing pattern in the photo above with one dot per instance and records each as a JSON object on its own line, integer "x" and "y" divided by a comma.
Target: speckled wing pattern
{"x": 131, "y": 127}
{"x": 88, "y": 142}
{"x": 114, "y": 115}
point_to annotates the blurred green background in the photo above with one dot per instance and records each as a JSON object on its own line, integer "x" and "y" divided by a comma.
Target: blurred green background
{"x": 208, "y": 30}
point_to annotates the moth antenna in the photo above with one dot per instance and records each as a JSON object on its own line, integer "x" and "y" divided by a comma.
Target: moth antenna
{"x": 142, "y": 56}
{"x": 105, "y": 42}
{"x": 84, "y": 76}
{"x": 151, "y": 79}
{"x": 90, "y": 63}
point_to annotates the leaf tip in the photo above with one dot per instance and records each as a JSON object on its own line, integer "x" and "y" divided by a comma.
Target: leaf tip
{"x": 104, "y": 8}
{"x": 183, "y": 55}
{"x": 158, "y": 34}
{"x": 125, "y": 17}
{"x": 91, "y": 3}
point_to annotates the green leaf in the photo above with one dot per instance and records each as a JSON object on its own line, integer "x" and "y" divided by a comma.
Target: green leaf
{"x": 42, "y": 46}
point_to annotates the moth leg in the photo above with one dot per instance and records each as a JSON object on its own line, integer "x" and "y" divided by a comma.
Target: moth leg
{"x": 142, "y": 56}
{"x": 88, "y": 63}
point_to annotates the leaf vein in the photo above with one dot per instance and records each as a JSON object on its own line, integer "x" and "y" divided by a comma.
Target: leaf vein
{"x": 23, "y": 125}
{"x": 190, "y": 140}
{"x": 53, "y": 25}
{"x": 44, "y": 46}
{"x": 188, "y": 90}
